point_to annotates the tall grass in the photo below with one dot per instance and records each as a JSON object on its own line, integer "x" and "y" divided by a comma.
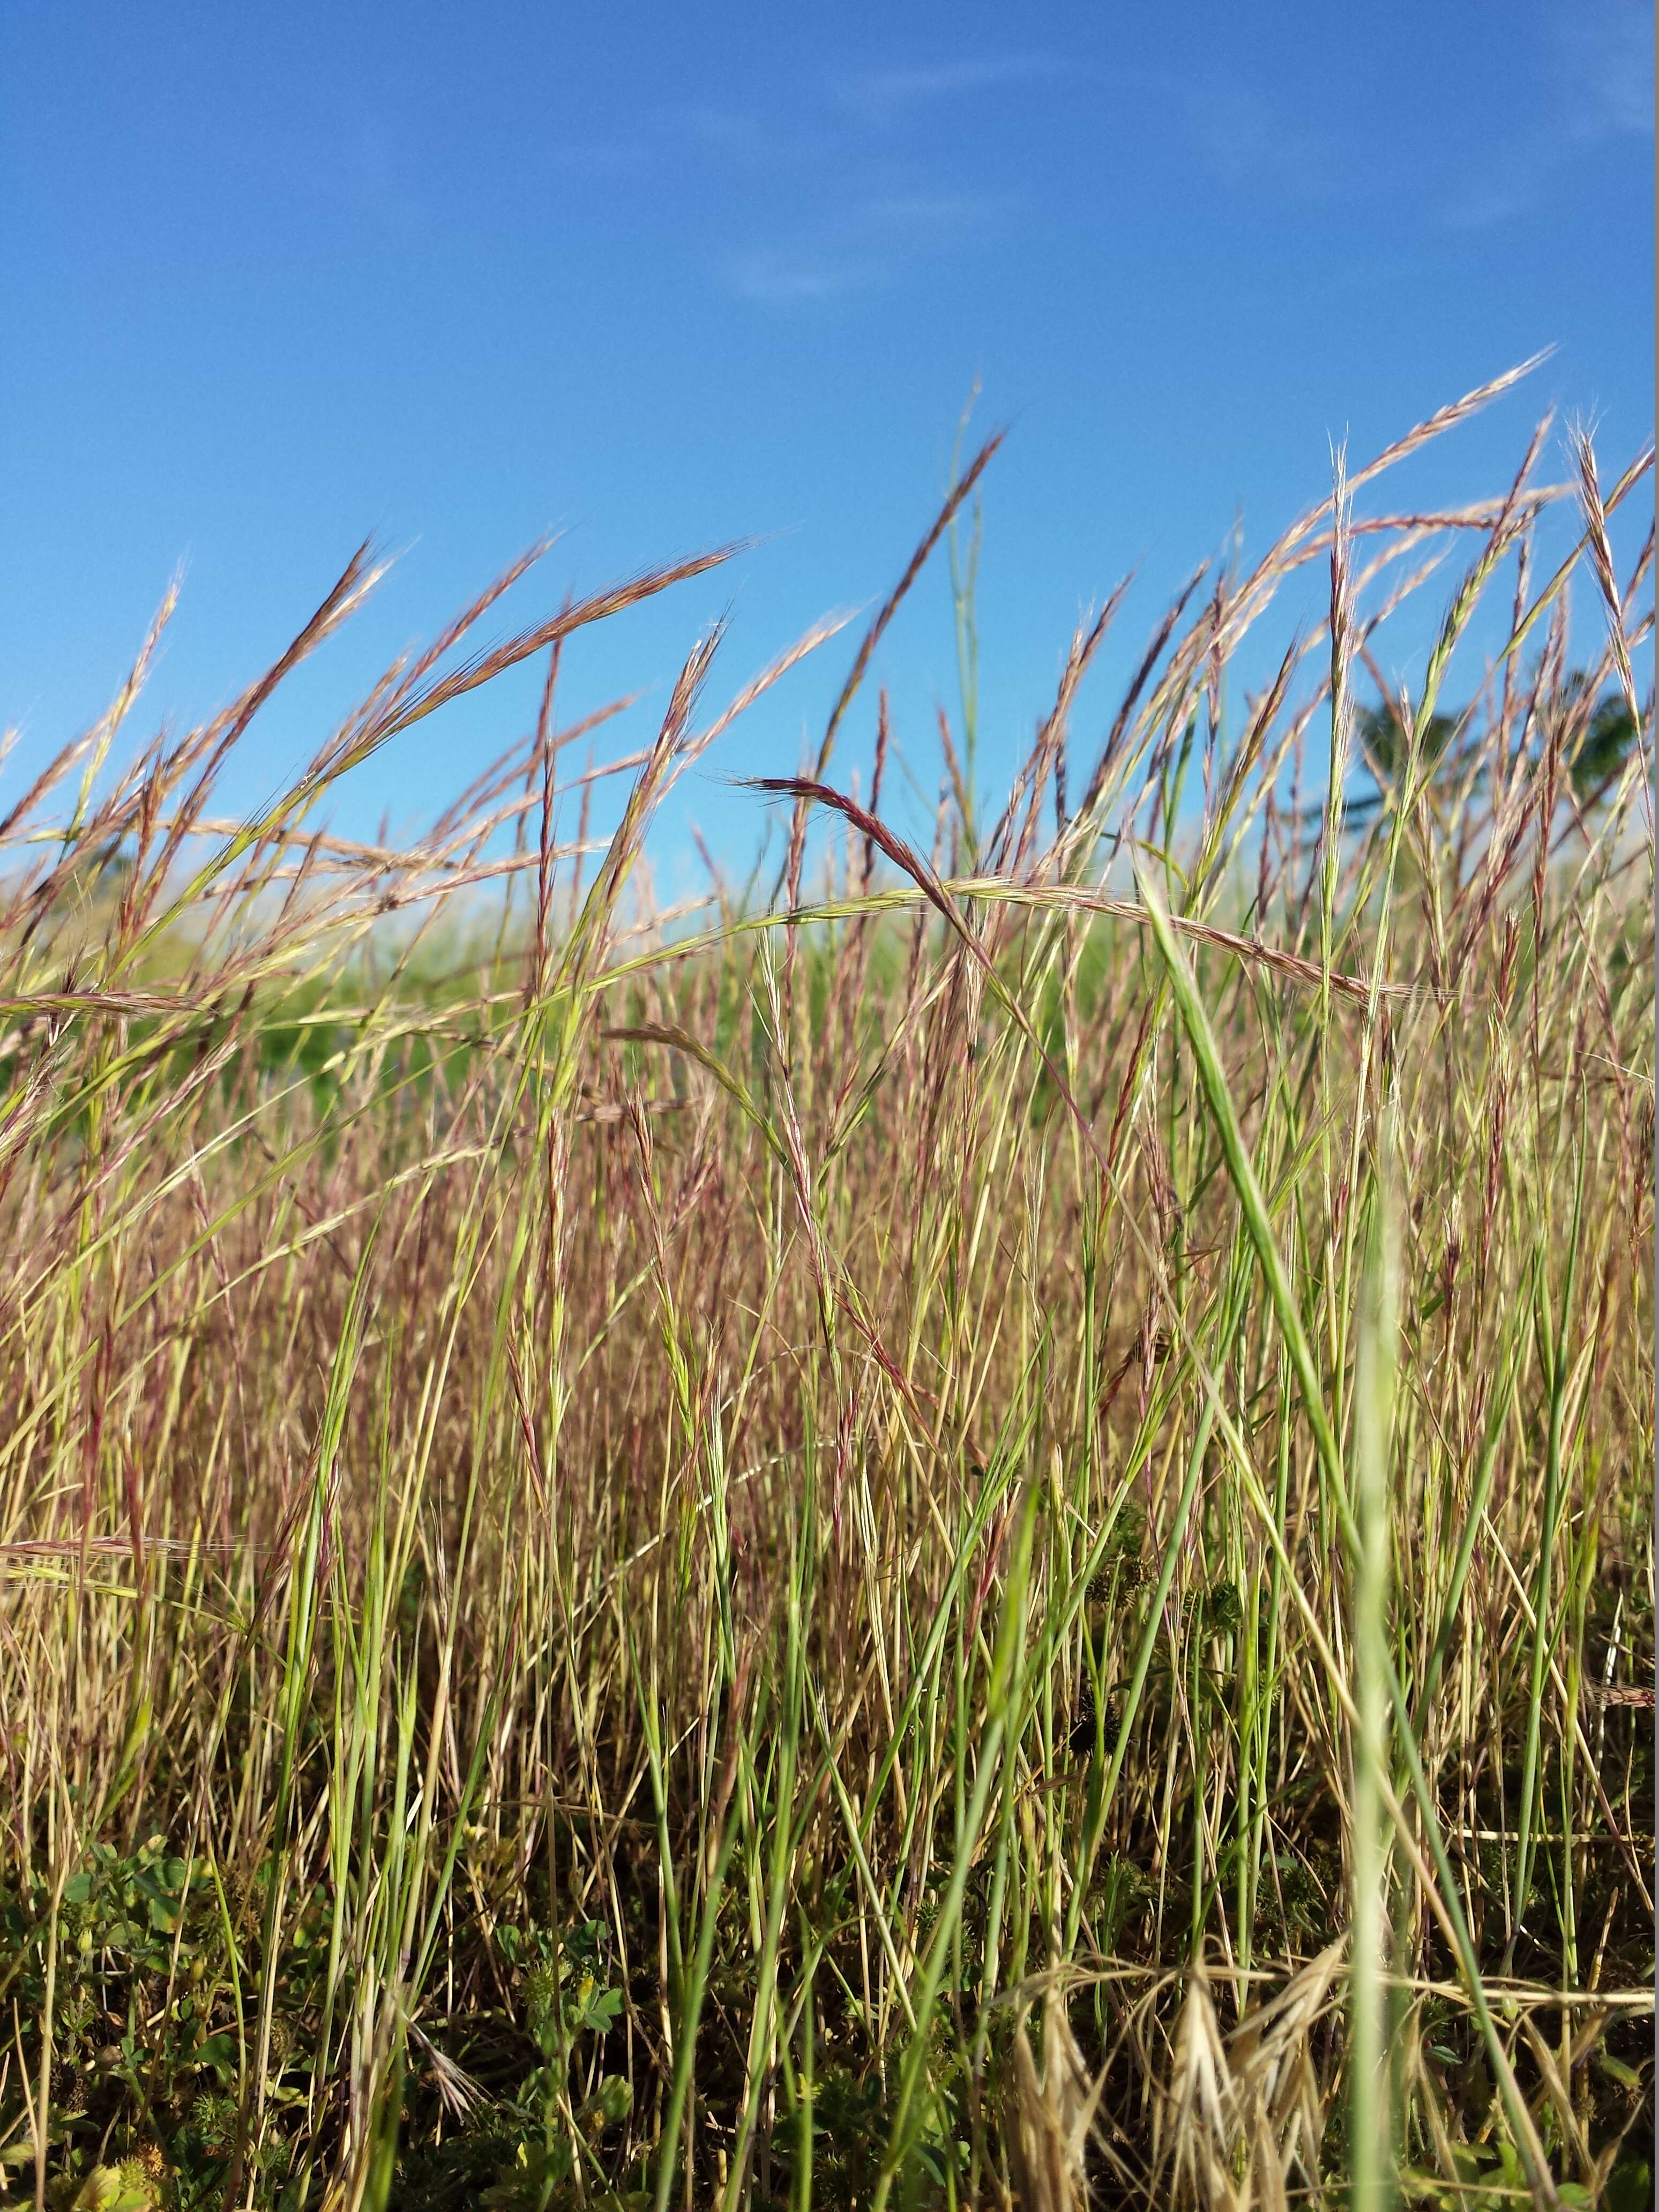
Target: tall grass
{"x": 984, "y": 1535}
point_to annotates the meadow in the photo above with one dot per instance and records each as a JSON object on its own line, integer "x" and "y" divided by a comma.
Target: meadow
{"x": 979, "y": 1532}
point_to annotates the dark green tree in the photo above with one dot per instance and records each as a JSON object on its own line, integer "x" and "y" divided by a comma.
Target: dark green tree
{"x": 1596, "y": 757}
{"x": 1382, "y": 741}
{"x": 1595, "y": 747}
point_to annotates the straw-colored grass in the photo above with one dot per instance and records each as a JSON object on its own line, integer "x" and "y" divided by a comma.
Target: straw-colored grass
{"x": 985, "y": 1536}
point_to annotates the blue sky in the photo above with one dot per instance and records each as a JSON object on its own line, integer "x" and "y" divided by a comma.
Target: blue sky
{"x": 660, "y": 277}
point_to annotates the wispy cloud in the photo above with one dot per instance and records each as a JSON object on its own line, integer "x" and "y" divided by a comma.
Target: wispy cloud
{"x": 781, "y": 276}
{"x": 1605, "y": 48}
{"x": 354, "y": 162}
{"x": 878, "y": 94}
{"x": 873, "y": 244}
{"x": 1595, "y": 67}
{"x": 1239, "y": 135}
{"x": 863, "y": 208}
{"x": 601, "y": 158}
{"x": 921, "y": 218}
{"x": 1488, "y": 204}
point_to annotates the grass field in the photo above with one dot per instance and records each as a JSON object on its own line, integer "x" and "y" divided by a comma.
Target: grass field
{"x": 983, "y": 1534}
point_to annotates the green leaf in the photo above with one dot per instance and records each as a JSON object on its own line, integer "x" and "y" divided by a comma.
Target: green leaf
{"x": 1513, "y": 2173}
{"x": 115, "y": 2189}
{"x": 599, "y": 2012}
{"x": 1630, "y": 2187}
{"x": 611, "y": 2103}
{"x": 1615, "y": 2070}
{"x": 218, "y": 2051}
{"x": 162, "y": 1906}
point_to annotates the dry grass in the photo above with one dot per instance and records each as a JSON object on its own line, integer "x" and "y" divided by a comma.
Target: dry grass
{"x": 633, "y": 1556}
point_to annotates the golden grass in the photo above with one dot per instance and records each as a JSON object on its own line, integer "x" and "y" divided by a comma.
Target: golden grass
{"x": 946, "y": 1543}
